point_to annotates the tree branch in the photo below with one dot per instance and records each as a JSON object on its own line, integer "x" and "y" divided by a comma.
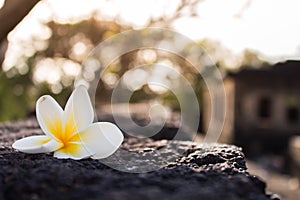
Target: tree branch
{"x": 11, "y": 15}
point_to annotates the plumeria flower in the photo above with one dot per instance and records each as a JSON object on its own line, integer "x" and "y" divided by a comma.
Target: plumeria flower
{"x": 71, "y": 133}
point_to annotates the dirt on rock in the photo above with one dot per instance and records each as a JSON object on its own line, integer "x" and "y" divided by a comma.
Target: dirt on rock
{"x": 183, "y": 170}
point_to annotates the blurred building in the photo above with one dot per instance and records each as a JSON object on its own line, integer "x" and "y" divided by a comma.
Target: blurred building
{"x": 263, "y": 107}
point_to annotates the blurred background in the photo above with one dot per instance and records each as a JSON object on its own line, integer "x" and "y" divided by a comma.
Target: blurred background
{"x": 254, "y": 43}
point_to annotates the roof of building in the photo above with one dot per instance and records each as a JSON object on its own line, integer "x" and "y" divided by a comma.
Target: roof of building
{"x": 287, "y": 69}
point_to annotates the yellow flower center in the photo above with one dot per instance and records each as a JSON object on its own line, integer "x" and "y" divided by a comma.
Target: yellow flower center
{"x": 67, "y": 134}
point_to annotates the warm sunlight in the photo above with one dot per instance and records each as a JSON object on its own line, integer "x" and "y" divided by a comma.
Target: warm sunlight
{"x": 204, "y": 94}
{"x": 237, "y": 24}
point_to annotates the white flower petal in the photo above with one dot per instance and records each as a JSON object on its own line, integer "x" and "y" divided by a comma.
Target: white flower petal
{"x": 49, "y": 115}
{"x": 101, "y": 139}
{"x": 74, "y": 151}
{"x": 37, "y": 144}
{"x": 79, "y": 112}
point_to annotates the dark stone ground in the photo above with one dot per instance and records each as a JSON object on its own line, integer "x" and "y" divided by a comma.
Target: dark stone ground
{"x": 189, "y": 171}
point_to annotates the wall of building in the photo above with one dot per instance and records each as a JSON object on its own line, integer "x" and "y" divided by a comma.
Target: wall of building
{"x": 284, "y": 103}
{"x": 227, "y": 135}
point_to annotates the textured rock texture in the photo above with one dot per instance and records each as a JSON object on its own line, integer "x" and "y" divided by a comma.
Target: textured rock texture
{"x": 188, "y": 171}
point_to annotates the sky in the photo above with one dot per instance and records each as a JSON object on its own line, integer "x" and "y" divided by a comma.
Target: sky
{"x": 270, "y": 27}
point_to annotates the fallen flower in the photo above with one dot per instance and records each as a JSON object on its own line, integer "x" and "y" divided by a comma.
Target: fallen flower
{"x": 71, "y": 133}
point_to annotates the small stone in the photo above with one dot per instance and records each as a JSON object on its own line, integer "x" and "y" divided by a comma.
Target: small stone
{"x": 148, "y": 150}
{"x": 275, "y": 197}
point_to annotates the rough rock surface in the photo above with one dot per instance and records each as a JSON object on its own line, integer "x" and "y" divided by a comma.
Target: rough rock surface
{"x": 188, "y": 171}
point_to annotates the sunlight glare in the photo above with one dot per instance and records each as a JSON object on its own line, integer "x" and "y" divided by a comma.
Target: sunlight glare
{"x": 79, "y": 48}
{"x": 71, "y": 11}
{"x": 259, "y": 27}
{"x": 157, "y": 88}
{"x": 135, "y": 79}
{"x": 49, "y": 70}
{"x": 71, "y": 68}
{"x": 1, "y": 3}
